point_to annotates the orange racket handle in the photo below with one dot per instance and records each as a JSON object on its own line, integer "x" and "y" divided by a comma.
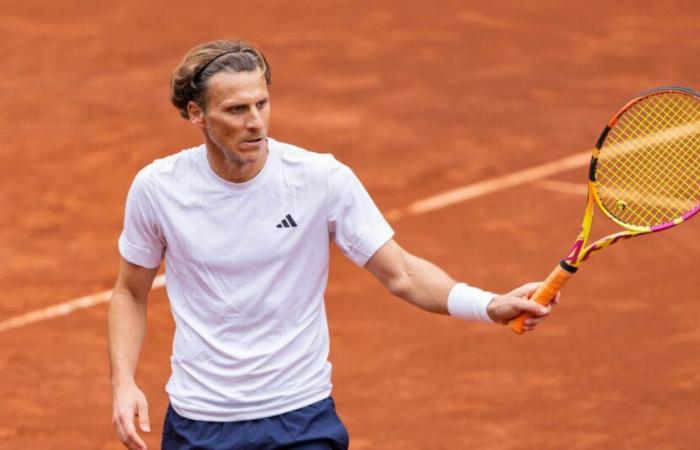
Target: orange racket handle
{"x": 543, "y": 295}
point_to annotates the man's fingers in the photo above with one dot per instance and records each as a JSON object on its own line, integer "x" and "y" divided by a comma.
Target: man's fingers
{"x": 526, "y": 290}
{"x": 142, "y": 413}
{"x": 121, "y": 433}
{"x": 134, "y": 445}
{"x": 131, "y": 439}
{"x": 134, "y": 442}
{"x": 533, "y": 308}
{"x": 534, "y": 321}
{"x": 557, "y": 298}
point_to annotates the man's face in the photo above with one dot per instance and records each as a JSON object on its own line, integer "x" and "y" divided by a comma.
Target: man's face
{"x": 237, "y": 116}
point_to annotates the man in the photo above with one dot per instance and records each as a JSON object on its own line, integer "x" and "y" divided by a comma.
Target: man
{"x": 244, "y": 224}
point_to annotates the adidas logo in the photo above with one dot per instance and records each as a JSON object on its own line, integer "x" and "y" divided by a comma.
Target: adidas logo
{"x": 287, "y": 222}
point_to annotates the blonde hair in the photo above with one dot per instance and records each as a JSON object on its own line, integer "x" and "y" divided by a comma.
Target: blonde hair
{"x": 189, "y": 80}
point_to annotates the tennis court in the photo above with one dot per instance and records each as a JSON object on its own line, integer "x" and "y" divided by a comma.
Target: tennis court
{"x": 419, "y": 98}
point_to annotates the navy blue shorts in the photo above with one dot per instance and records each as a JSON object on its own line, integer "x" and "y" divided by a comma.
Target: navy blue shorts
{"x": 314, "y": 427}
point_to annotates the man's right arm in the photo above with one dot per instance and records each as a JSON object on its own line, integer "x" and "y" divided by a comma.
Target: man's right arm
{"x": 127, "y": 328}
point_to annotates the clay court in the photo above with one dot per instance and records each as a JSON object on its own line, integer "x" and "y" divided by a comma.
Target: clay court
{"x": 419, "y": 98}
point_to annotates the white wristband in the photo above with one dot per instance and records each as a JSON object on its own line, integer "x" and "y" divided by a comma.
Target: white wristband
{"x": 467, "y": 302}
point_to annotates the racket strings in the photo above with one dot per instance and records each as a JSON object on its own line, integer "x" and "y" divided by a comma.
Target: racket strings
{"x": 648, "y": 159}
{"x": 666, "y": 169}
{"x": 648, "y": 171}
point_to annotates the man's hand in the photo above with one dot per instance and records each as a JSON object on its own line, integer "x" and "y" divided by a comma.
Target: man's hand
{"x": 504, "y": 308}
{"x": 128, "y": 402}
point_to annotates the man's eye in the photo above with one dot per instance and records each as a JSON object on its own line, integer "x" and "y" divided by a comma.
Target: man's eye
{"x": 261, "y": 104}
{"x": 238, "y": 109}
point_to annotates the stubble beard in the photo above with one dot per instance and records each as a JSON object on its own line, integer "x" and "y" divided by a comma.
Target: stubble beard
{"x": 231, "y": 158}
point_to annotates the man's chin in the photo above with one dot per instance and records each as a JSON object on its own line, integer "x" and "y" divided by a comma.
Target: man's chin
{"x": 244, "y": 158}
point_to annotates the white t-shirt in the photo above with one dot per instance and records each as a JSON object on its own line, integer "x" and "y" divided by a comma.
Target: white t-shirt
{"x": 247, "y": 267}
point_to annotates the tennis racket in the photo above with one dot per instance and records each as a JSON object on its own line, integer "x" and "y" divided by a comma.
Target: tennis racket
{"x": 644, "y": 175}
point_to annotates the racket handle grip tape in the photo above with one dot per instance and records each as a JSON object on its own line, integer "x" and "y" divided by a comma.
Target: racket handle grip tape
{"x": 543, "y": 295}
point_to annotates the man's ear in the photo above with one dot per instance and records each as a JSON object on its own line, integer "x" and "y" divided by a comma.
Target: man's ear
{"x": 195, "y": 113}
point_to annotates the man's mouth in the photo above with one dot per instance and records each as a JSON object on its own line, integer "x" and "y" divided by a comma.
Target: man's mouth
{"x": 252, "y": 144}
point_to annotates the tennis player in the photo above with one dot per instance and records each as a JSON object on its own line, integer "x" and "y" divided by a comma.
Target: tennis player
{"x": 244, "y": 223}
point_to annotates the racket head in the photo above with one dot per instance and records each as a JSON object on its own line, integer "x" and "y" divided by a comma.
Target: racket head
{"x": 645, "y": 170}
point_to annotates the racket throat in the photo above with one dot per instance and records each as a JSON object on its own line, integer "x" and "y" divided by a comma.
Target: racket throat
{"x": 573, "y": 259}
{"x": 568, "y": 267}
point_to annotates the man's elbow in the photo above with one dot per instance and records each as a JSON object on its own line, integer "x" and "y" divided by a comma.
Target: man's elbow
{"x": 123, "y": 293}
{"x": 400, "y": 286}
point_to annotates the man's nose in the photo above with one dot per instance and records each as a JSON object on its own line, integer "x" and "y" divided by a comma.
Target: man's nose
{"x": 254, "y": 120}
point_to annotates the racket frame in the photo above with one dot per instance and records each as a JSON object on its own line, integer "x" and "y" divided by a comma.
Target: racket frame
{"x": 581, "y": 252}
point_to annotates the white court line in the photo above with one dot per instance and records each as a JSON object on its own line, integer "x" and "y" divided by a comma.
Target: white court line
{"x": 423, "y": 206}
{"x": 489, "y": 186}
{"x": 65, "y": 308}
{"x": 563, "y": 187}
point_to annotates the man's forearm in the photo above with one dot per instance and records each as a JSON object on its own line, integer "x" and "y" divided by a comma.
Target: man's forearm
{"x": 428, "y": 287}
{"x": 424, "y": 285}
{"x": 127, "y": 328}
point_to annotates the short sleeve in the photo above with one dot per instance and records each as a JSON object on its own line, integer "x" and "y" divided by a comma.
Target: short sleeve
{"x": 141, "y": 241}
{"x": 354, "y": 221}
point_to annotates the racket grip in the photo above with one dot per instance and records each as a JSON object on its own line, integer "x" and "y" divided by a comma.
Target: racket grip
{"x": 543, "y": 295}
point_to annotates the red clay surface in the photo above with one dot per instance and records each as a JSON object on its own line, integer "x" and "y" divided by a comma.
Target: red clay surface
{"x": 417, "y": 97}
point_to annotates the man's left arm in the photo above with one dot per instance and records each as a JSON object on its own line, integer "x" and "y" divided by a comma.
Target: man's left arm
{"x": 428, "y": 287}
